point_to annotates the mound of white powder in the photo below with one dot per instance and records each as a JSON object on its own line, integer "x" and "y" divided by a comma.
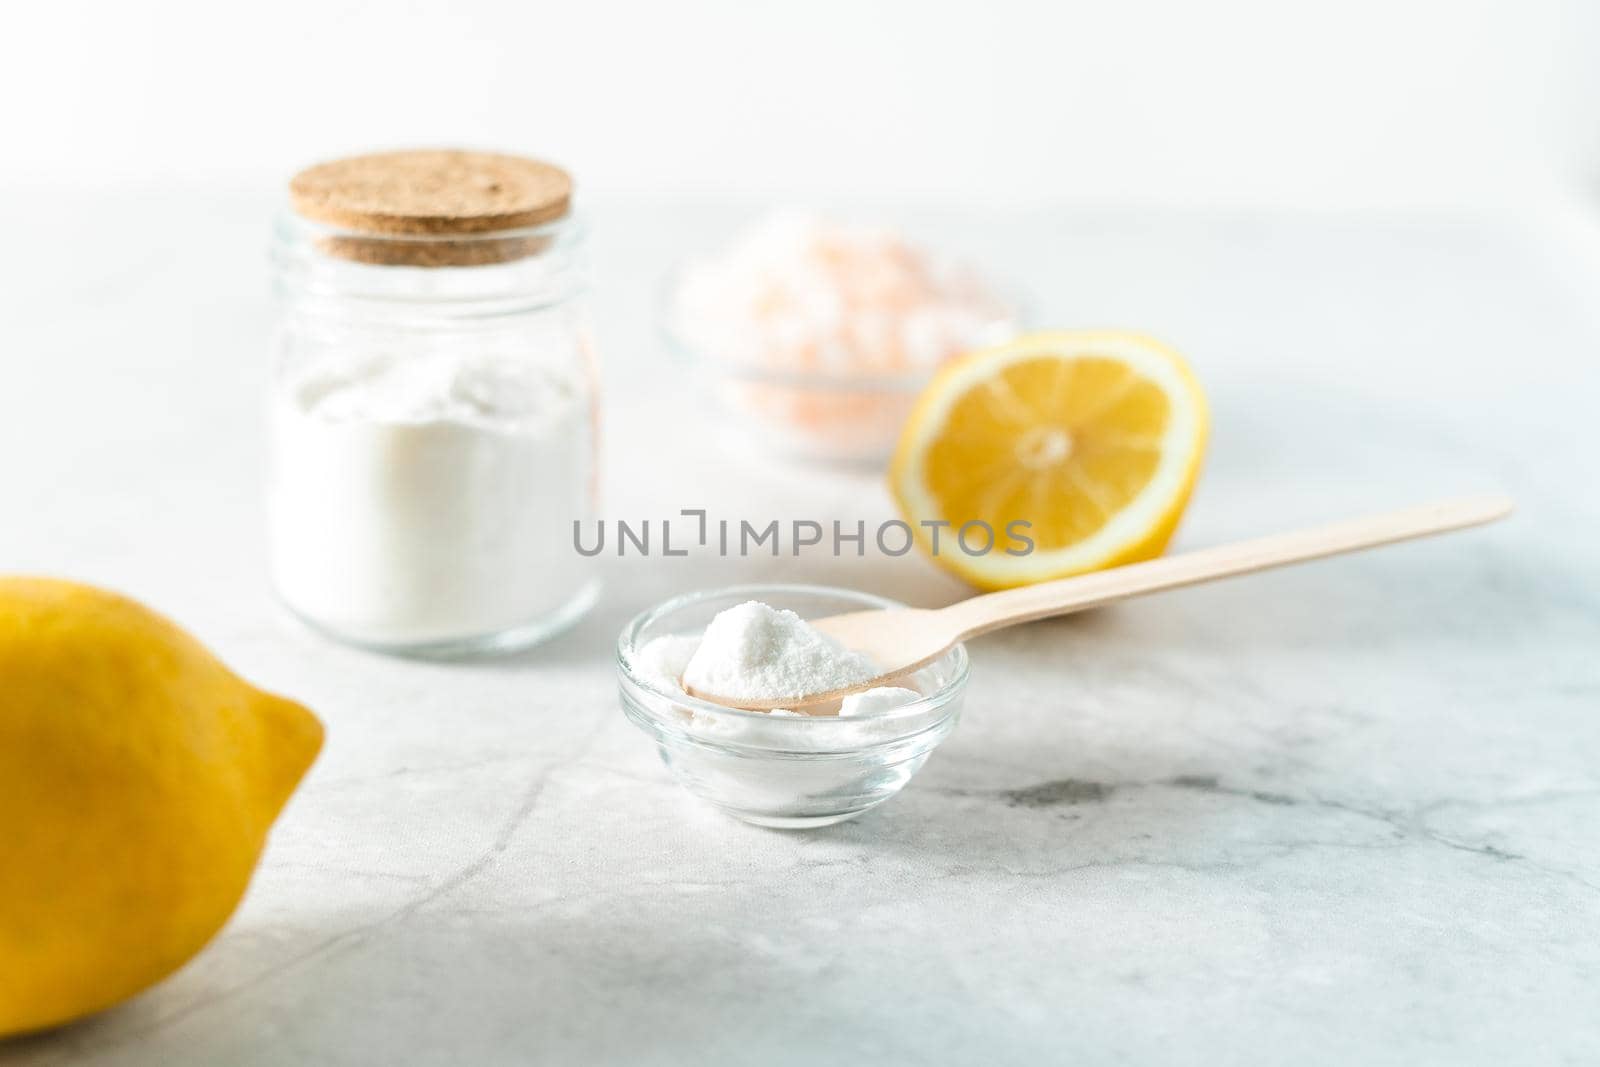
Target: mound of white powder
{"x": 758, "y": 652}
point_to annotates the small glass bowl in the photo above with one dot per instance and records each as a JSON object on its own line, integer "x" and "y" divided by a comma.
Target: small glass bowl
{"x": 784, "y": 771}
{"x": 836, "y": 418}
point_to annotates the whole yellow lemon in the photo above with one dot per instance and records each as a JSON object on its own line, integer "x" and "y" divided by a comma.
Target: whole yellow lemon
{"x": 138, "y": 779}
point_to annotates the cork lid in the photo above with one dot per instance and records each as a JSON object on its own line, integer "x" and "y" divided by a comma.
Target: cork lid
{"x": 452, "y": 201}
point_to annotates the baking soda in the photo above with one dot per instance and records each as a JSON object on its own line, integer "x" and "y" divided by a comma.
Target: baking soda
{"x": 873, "y": 701}
{"x": 758, "y": 652}
{"x": 417, "y": 499}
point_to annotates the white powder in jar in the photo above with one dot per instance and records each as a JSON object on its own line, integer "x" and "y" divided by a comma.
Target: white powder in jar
{"x": 417, "y": 499}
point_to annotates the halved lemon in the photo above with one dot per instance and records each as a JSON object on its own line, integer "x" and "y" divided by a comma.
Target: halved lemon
{"x": 1084, "y": 443}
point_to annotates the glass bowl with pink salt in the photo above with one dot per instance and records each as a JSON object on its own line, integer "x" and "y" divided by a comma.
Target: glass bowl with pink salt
{"x": 782, "y": 768}
{"x": 814, "y": 337}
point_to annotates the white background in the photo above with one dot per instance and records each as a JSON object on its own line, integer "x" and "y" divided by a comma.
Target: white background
{"x": 1453, "y": 103}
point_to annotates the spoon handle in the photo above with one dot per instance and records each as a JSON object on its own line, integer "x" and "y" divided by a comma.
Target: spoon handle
{"x": 981, "y": 614}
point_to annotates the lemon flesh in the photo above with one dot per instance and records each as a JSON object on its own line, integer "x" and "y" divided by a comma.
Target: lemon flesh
{"x": 138, "y": 779}
{"x": 1092, "y": 438}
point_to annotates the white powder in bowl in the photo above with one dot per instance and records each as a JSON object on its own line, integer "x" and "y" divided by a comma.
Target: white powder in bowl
{"x": 873, "y": 701}
{"x": 756, "y": 638}
{"x": 758, "y": 652}
{"x": 662, "y": 659}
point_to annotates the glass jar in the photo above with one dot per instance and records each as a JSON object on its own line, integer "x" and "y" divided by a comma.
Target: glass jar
{"x": 432, "y": 430}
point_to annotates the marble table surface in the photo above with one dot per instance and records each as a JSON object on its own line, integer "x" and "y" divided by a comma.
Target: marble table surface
{"x": 1348, "y": 813}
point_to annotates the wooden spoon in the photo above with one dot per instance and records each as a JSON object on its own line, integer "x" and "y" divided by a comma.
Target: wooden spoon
{"x": 904, "y": 639}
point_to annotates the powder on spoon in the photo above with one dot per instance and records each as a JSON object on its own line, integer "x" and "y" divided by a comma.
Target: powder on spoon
{"x": 758, "y": 652}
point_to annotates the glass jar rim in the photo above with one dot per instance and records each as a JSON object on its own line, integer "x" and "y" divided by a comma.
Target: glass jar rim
{"x": 293, "y": 230}
{"x": 311, "y": 263}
